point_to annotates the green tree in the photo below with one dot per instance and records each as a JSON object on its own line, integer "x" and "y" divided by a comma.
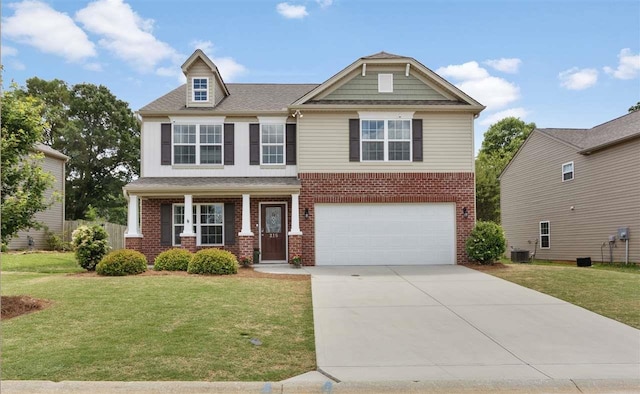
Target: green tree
{"x": 24, "y": 182}
{"x": 101, "y": 136}
{"x": 501, "y": 142}
{"x": 635, "y": 108}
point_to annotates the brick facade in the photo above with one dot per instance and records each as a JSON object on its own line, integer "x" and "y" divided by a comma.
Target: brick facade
{"x": 295, "y": 247}
{"x": 343, "y": 188}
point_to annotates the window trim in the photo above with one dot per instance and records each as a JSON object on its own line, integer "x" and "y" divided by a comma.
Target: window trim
{"x": 386, "y": 140}
{"x": 548, "y": 234}
{"x": 197, "y": 144}
{"x": 196, "y": 225}
{"x": 573, "y": 171}
{"x": 194, "y": 90}
{"x": 283, "y": 144}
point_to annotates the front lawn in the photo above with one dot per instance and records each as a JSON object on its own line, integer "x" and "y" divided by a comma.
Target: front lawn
{"x": 612, "y": 291}
{"x": 154, "y": 327}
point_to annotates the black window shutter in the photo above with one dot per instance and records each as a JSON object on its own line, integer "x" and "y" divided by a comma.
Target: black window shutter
{"x": 229, "y": 138}
{"x": 354, "y": 139}
{"x": 166, "y": 235}
{"x": 254, "y": 144}
{"x": 229, "y": 223}
{"x": 165, "y": 144}
{"x": 291, "y": 143}
{"x": 417, "y": 139}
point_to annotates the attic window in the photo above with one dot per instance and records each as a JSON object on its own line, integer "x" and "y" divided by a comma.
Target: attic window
{"x": 385, "y": 83}
{"x": 201, "y": 89}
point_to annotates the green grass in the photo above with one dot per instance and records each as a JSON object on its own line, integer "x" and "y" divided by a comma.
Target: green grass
{"x": 154, "y": 327}
{"x": 42, "y": 262}
{"x": 609, "y": 290}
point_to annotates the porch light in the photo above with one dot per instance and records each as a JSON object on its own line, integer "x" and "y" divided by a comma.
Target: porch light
{"x": 465, "y": 212}
{"x": 306, "y": 213}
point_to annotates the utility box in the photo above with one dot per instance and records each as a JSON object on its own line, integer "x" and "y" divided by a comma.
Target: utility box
{"x": 520, "y": 256}
{"x": 584, "y": 261}
{"x": 623, "y": 233}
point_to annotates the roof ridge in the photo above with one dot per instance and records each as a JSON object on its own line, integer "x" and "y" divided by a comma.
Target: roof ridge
{"x": 613, "y": 120}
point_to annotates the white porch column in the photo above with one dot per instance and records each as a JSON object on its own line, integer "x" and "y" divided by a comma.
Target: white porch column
{"x": 295, "y": 215}
{"x": 132, "y": 218}
{"x": 188, "y": 215}
{"x": 246, "y": 216}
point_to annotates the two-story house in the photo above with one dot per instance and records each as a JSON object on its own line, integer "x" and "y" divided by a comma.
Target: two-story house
{"x": 373, "y": 166}
{"x": 575, "y": 192}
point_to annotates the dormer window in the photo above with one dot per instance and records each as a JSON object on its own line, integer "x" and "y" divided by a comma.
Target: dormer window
{"x": 201, "y": 89}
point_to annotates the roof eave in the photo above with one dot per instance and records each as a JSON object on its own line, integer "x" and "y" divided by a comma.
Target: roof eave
{"x": 214, "y": 113}
{"x": 593, "y": 149}
{"x": 168, "y": 191}
{"x": 422, "y": 108}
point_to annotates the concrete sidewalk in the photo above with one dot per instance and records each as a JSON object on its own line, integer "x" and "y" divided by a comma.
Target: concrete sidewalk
{"x": 531, "y": 386}
{"x": 452, "y": 322}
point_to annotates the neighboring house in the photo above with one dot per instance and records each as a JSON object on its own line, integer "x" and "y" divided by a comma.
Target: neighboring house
{"x": 53, "y": 217}
{"x": 571, "y": 189}
{"x": 373, "y": 166}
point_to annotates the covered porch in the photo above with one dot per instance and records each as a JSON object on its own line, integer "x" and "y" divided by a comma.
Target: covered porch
{"x": 236, "y": 214}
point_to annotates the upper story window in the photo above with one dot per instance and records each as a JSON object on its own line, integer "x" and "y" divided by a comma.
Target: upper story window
{"x": 385, "y": 140}
{"x": 201, "y": 89}
{"x": 545, "y": 234}
{"x": 385, "y": 83}
{"x": 272, "y": 144}
{"x": 207, "y": 221}
{"x": 197, "y": 144}
{"x": 567, "y": 171}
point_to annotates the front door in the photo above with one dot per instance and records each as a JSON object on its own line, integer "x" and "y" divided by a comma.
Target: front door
{"x": 273, "y": 232}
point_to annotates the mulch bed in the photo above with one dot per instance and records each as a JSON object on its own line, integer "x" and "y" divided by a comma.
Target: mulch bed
{"x": 242, "y": 273}
{"x": 489, "y": 267}
{"x": 13, "y": 306}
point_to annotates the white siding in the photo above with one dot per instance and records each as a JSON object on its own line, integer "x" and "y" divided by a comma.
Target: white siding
{"x": 53, "y": 217}
{"x": 151, "y": 157}
{"x": 323, "y": 144}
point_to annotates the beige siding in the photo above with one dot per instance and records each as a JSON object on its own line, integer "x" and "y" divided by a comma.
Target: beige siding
{"x": 53, "y": 217}
{"x": 365, "y": 87}
{"x": 323, "y": 145}
{"x": 199, "y": 69}
{"x": 605, "y": 195}
{"x": 218, "y": 94}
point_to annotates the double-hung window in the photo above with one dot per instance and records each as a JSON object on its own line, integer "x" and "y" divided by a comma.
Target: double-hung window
{"x": 567, "y": 171}
{"x": 385, "y": 140}
{"x": 545, "y": 234}
{"x": 272, "y": 143}
{"x": 197, "y": 144}
{"x": 201, "y": 89}
{"x": 207, "y": 221}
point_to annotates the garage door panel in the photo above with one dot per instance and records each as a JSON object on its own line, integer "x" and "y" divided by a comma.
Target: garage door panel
{"x": 385, "y": 234}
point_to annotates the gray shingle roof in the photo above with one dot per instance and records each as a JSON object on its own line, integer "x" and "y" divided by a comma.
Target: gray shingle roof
{"x": 49, "y": 151}
{"x": 243, "y": 97}
{"x": 601, "y": 136}
{"x": 184, "y": 184}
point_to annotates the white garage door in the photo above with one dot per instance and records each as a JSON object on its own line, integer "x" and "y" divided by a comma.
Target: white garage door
{"x": 385, "y": 234}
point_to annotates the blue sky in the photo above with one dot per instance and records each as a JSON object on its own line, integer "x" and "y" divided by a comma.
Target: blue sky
{"x": 556, "y": 63}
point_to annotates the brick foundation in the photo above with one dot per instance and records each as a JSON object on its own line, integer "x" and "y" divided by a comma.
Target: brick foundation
{"x": 188, "y": 242}
{"x": 245, "y": 243}
{"x": 387, "y": 188}
{"x": 295, "y": 246}
{"x": 134, "y": 243}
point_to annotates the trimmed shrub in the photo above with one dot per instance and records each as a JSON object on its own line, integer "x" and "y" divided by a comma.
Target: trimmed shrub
{"x": 122, "y": 262}
{"x": 486, "y": 243}
{"x": 176, "y": 259}
{"x": 90, "y": 244}
{"x": 213, "y": 261}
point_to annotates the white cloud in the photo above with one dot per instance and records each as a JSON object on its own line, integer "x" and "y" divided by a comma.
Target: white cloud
{"x": 125, "y": 34}
{"x": 506, "y": 65}
{"x": 578, "y": 79}
{"x": 476, "y": 81}
{"x": 93, "y": 67}
{"x": 496, "y": 116}
{"x": 324, "y": 3}
{"x": 7, "y": 51}
{"x": 206, "y": 46}
{"x": 290, "y": 11}
{"x": 229, "y": 68}
{"x": 37, "y": 24}
{"x": 628, "y": 65}
{"x": 466, "y": 71}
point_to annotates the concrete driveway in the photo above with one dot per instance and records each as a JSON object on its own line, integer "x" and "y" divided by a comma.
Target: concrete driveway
{"x": 452, "y": 322}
